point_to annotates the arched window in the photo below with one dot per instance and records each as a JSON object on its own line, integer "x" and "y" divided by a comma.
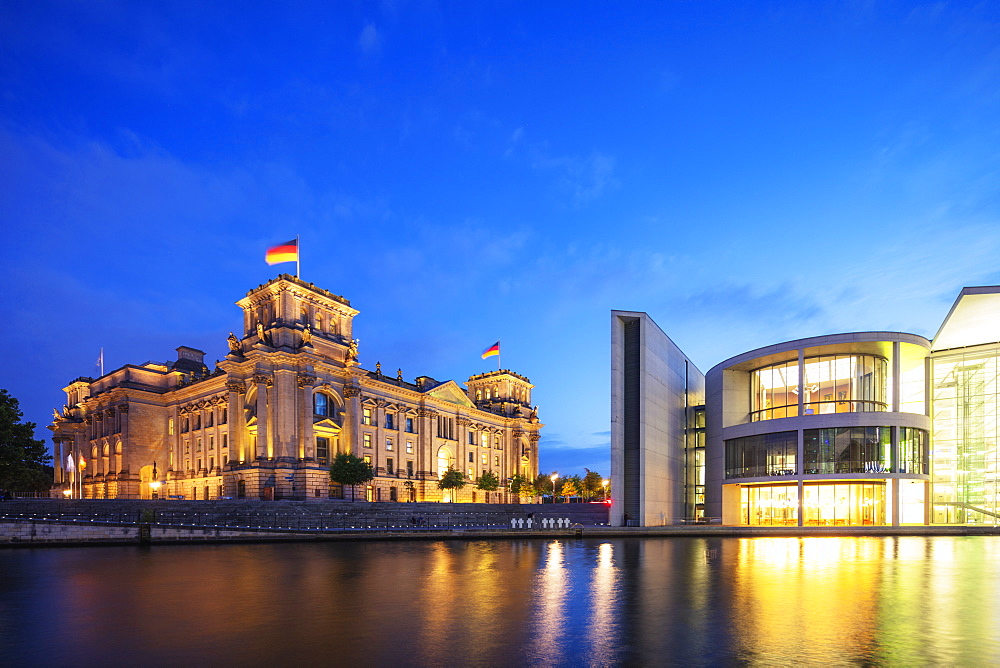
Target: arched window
{"x": 321, "y": 404}
{"x": 479, "y": 395}
{"x": 487, "y": 394}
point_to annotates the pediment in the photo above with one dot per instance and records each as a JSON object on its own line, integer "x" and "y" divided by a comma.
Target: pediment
{"x": 450, "y": 391}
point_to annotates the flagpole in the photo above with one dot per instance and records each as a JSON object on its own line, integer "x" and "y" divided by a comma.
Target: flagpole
{"x": 298, "y": 255}
{"x": 498, "y": 356}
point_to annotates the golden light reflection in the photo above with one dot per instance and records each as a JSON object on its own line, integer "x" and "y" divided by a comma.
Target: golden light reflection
{"x": 552, "y": 590}
{"x": 784, "y": 579}
{"x": 602, "y": 606}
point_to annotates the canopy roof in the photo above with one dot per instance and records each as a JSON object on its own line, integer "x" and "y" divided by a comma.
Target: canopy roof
{"x": 974, "y": 319}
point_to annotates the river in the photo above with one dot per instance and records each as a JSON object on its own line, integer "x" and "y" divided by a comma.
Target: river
{"x": 636, "y": 601}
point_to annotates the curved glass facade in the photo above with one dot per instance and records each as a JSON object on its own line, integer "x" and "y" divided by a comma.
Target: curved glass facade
{"x": 829, "y": 450}
{"x": 830, "y": 384}
{"x": 823, "y": 504}
{"x": 762, "y": 455}
{"x": 847, "y": 450}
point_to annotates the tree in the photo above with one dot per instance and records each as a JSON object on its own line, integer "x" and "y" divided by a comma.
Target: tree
{"x": 593, "y": 484}
{"x": 488, "y": 482}
{"x": 23, "y": 458}
{"x": 520, "y": 486}
{"x": 543, "y": 485}
{"x": 452, "y": 479}
{"x": 571, "y": 487}
{"x": 348, "y": 469}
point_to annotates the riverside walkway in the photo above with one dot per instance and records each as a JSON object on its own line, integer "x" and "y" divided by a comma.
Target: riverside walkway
{"x": 76, "y": 522}
{"x": 87, "y": 520}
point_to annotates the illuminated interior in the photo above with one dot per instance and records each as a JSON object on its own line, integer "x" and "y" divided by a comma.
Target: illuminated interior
{"x": 830, "y": 384}
{"x": 966, "y": 485}
{"x": 855, "y": 503}
{"x": 770, "y": 505}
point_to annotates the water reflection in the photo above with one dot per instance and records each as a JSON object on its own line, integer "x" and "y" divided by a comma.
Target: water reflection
{"x": 676, "y": 601}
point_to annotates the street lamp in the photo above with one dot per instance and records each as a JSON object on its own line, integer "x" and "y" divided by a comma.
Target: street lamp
{"x": 67, "y": 493}
{"x": 554, "y": 499}
{"x": 605, "y": 483}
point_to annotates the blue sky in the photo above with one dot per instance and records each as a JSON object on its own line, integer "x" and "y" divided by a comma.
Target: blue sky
{"x": 745, "y": 172}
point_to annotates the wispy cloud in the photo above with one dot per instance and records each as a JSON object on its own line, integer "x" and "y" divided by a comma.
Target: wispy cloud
{"x": 370, "y": 41}
{"x": 581, "y": 178}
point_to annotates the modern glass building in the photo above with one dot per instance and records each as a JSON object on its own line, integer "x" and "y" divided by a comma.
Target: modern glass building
{"x": 856, "y": 429}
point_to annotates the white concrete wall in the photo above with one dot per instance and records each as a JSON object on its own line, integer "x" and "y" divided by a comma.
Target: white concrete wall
{"x": 662, "y": 418}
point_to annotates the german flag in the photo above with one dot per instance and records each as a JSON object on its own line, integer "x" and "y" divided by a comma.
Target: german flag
{"x": 492, "y": 350}
{"x": 286, "y": 252}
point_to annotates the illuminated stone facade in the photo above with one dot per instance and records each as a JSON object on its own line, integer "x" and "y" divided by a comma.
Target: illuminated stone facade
{"x": 289, "y": 396}
{"x": 856, "y": 429}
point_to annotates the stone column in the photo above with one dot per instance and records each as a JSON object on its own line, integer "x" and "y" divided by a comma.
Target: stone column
{"x": 263, "y": 446}
{"x": 126, "y": 441}
{"x": 94, "y": 461}
{"x": 284, "y": 410}
{"x": 306, "y": 441}
{"x": 427, "y": 421}
{"x": 533, "y": 457}
{"x": 237, "y": 420}
{"x": 352, "y": 418}
{"x": 58, "y": 461}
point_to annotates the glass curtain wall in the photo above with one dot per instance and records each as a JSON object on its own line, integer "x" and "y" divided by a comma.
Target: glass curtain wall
{"x": 695, "y": 465}
{"x": 844, "y": 384}
{"x": 761, "y": 455}
{"x": 844, "y": 504}
{"x": 775, "y": 391}
{"x": 912, "y": 451}
{"x": 831, "y": 384}
{"x": 770, "y": 505}
{"x": 966, "y": 402}
{"x": 847, "y": 450}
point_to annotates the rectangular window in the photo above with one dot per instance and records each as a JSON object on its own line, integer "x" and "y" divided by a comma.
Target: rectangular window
{"x": 389, "y": 421}
{"x": 409, "y": 425}
{"x": 496, "y": 442}
{"x": 184, "y": 425}
{"x": 446, "y": 427}
{"x": 486, "y": 459}
{"x": 211, "y": 442}
{"x": 368, "y": 459}
{"x": 198, "y": 444}
{"x": 472, "y": 473}
{"x": 224, "y": 416}
{"x": 472, "y": 457}
{"x": 472, "y": 438}
{"x": 225, "y": 460}
{"x": 225, "y": 441}
{"x": 199, "y": 463}
{"x": 197, "y": 420}
{"x": 210, "y": 418}
{"x": 496, "y": 460}
{"x": 485, "y": 440}
{"x": 390, "y": 464}
{"x": 409, "y": 447}
{"x": 366, "y": 416}
{"x": 211, "y": 463}
{"x": 170, "y": 427}
{"x": 388, "y": 444}
{"x": 368, "y": 440}
{"x": 322, "y": 449}
{"x": 409, "y": 467}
